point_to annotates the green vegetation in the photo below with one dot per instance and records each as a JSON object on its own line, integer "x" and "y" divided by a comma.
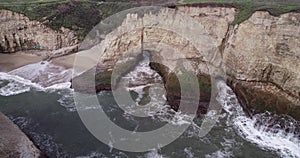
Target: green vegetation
{"x": 78, "y": 15}
{"x": 248, "y": 7}
{"x": 82, "y": 15}
{"x": 103, "y": 78}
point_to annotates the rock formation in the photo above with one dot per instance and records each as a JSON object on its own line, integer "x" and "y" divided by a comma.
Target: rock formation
{"x": 263, "y": 55}
{"x": 18, "y": 32}
{"x": 259, "y": 57}
{"x": 173, "y": 35}
{"x": 14, "y": 143}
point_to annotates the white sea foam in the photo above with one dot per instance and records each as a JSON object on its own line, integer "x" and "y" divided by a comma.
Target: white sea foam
{"x": 44, "y": 141}
{"x": 44, "y": 73}
{"x": 286, "y": 144}
{"x": 181, "y": 119}
{"x": 219, "y": 154}
{"x": 225, "y": 151}
{"x": 93, "y": 154}
{"x": 143, "y": 72}
{"x": 22, "y": 122}
{"x": 140, "y": 80}
{"x": 41, "y": 76}
{"x": 143, "y": 76}
{"x": 64, "y": 85}
{"x": 66, "y": 100}
{"x": 154, "y": 154}
{"x": 189, "y": 153}
{"x": 13, "y": 85}
{"x": 13, "y": 89}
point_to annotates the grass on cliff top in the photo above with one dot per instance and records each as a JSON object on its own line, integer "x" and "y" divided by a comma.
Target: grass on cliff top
{"x": 82, "y": 15}
{"x": 248, "y": 7}
{"x": 78, "y": 15}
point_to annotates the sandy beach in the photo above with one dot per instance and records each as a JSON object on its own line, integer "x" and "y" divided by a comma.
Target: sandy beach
{"x": 13, "y": 61}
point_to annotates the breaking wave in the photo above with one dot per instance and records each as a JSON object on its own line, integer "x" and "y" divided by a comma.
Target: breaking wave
{"x": 44, "y": 73}
{"x": 268, "y": 131}
{"x": 13, "y": 85}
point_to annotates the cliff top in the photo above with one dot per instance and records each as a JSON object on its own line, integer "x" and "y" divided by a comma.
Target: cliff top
{"x": 82, "y": 15}
{"x": 248, "y": 7}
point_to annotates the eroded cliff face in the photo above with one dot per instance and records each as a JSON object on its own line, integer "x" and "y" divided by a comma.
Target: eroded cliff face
{"x": 188, "y": 37}
{"x": 263, "y": 54}
{"x": 189, "y": 32}
{"x": 260, "y": 57}
{"x": 19, "y": 33}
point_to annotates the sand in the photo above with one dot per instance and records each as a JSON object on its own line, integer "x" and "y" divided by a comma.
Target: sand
{"x": 85, "y": 60}
{"x": 13, "y": 61}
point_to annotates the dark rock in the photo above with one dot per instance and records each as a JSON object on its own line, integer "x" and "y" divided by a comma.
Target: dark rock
{"x": 173, "y": 88}
{"x": 254, "y": 99}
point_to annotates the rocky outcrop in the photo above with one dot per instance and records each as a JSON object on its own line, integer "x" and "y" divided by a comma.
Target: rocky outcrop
{"x": 20, "y": 33}
{"x": 189, "y": 32}
{"x": 262, "y": 55}
{"x": 195, "y": 34}
{"x": 259, "y": 57}
{"x": 173, "y": 88}
{"x": 61, "y": 52}
{"x": 14, "y": 143}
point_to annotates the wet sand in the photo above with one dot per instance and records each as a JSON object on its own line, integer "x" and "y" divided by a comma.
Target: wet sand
{"x": 65, "y": 61}
{"x": 85, "y": 60}
{"x": 13, "y": 61}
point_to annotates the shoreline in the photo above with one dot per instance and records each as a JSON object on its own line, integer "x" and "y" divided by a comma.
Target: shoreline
{"x": 14, "y": 142}
{"x": 9, "y": 62}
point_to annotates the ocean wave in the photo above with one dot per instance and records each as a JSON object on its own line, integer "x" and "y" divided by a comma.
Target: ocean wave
{"x": 44, "y": 73}
{"x": 67, "y": 99}
{"x": 219, "y": 154}
{"x": 154, "y": 154}
{"x": 93, "y": 154}
{"x": 13, "y": 85}
{"x": 258, "y": 129}
{"x": 188, "y": 152}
